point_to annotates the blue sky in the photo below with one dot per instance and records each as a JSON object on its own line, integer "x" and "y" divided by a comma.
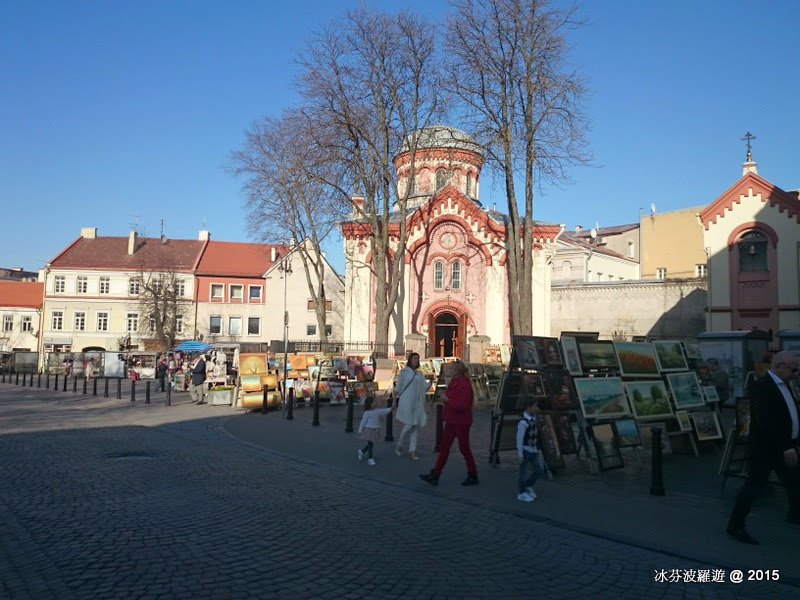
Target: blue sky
{"x": 113, "y": 113}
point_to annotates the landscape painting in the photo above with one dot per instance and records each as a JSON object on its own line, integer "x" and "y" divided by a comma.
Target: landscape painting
{"x": 601, "y": 397}
{"x": 570, "y": 347}
{"x": 597, "y": 355}
{"x": 636, "y": 359}
{"x": 669, "y": 355}
{"x": 626, "y": 432}
{"x": 649, "y": 399}
{"x": 686, "y": 392}
{"x": 706, "y": 426}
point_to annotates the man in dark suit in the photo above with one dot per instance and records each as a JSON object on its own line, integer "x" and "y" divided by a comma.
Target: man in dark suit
{"x": 198, "y": 381}
{"x": 774, "y": 443}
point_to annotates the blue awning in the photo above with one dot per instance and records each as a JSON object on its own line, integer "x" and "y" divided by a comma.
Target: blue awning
{"x": 192, "y": 346}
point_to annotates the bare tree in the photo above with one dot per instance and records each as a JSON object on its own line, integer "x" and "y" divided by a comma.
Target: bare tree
{"x": 507, "y": 65}
{"x": 369, "y": 83}
{"x": 286, "y": 194}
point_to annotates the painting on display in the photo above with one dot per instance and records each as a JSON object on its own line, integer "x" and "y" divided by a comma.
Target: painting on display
{"x": 626, "y": 432}
{"x": 683, "y": 420}
{"x": 669, "y": 355}
{"x": 437, "y": 365}
{"x": 686, "y": 392}
{"x": 552, "y": 352}
{"x": 636, "y": 359}
{"x": 742, "y": 418}
{"x": 505, "y": 354}
{"x": 608, "y": 454}
{"x": 560, "y": 390}
{"x": 527, "y": 352}
{"x": 252, "y": 364}
{"x": 597, "y": 355}
{"x": 492, "y": 354}
{"x": 493, "y": 370}
{"x": 649, "y": 399}
{"x": 534, "y": 385}
{"x": 601, "y": 397}
{"x": 298, "y": 361}
{"x": 511, "y": 398}
{"x": 710, "y": 393}
{"x": 571, "y": 358}
{"x": 552, "y": 453}
{"x": 565, "y": 435}
{"x": 340, "y": 364}
{"x": 706, "y": 426}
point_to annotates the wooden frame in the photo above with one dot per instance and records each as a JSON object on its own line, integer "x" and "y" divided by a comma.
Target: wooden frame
{"x": 706, "y": 426}
{"x": 601, "y": 397}
{"x": 528, "y": 352}
{"x": 572, "y": 360}
{"x": 552, "y": 351}
{"x": 626, "y": 432}
{"x": 649, "y": 399}
{"x": 597, "y": 355}
{"x": 552, "y": 453}
{"x": 669, "y": 354}
{"x": 605, "y": 445}
{"x": 636, "y": 359}
{"x": 686, "y": 392}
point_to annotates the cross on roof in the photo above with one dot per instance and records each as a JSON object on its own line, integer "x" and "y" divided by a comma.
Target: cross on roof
{"x": 748, "y": 137}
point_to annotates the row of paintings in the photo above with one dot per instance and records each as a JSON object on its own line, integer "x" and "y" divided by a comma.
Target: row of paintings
{"x": 611, "y": 397}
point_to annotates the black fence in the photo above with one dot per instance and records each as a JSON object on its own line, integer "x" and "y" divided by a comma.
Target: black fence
{"x": 395, "y": 350}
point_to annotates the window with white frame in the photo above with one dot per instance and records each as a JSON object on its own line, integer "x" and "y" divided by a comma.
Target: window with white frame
{"x": 254, "y": 293}
{"x": 456, "y": 275}
{"x": 661, "y": 273}
{"x": 105, "y": 285}
{"x": 236, "y": 292}
{"x": 57, "y": 320}
{"x": 631, "y": 250}
{"x": 566, "y": 269}
{"x": 438, "y": 275}
{"x": 700, "y": 270}
{"x": 8, "y": 322}
{"x": 82, "y": 284}
{"x": 328, "y": 330}
{"x": 152, "y": 325}
{"x": 215, "y": 325}
{"x": 180, "y": 288}
{"x": 235, "y": 326}
{"x": 134, "y": 286}
{"x": 217, "y": 290}
{"x": 311, "y": 329}
{"x": 60, "y": 284}
{"x": 179, "y": 324}
{"x": 27, "y": 324}
{"x": 80, "y": 320}
{"x": 102, "y": 321}
{"x": 253, "y": 325}
{"x": 132, "y": 322}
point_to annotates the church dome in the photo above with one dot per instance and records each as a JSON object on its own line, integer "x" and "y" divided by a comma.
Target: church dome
{"x": 442, "y": 136}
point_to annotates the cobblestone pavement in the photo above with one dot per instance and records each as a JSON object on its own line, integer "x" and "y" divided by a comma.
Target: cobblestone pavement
{"x": 105, "y": 498}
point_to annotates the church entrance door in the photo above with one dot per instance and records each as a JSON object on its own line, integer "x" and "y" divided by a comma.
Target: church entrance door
{"x": 448, "y": 335}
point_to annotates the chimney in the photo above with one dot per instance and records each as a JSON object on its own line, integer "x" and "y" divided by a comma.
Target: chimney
{"x": 131, "y": 243}
{"x": 578, "y": 228}
{"x": 358, "y": 206}
{"x": 203, "y": 236}
{"x": 89, "y": 232}
{"x": 273, "y": 254}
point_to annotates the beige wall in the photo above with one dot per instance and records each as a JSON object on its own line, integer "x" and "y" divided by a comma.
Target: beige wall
{"x": 674, "y": 241}
{"x": 16, "y": 338}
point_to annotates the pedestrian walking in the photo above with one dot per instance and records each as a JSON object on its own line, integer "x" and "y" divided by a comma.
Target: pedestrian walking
{"x": 197, "y": 382}
{"x": 409, "y": 391}
{"x": 529, "y": 452}
{"x": 161, "y": 373}
{"x": 457, "y": 416}
{"x": 88, "y": 369}
{"x": 370, "y": 428}
{"x": 773, "y": 443}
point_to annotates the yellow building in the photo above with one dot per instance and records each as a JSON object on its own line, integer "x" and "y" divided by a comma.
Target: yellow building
{"x": 672, "y": 245}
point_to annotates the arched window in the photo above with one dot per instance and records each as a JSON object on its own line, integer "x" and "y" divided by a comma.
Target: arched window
{"x": 438, "y": 275}
{"x": 469, "y": 190}
{"x": 443, "y": 177}
{"x": 456, "y": 275}
{"x": 753, "y": 252}
{"x": 566, "y": 269}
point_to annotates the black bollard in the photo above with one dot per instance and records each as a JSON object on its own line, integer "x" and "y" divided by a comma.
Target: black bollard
{"x": 85, "y": 383}
{"x": 389, "y": 422}
{"x": 348, "y": 427}
{"x": 4, "y": 375}
{"x": 47, "y": 382}
{"x": 119, "y": 388}
{"x": 439, "y": 427}
{"x": 290, "y": 405}
{"x": 24, "y": 379}
{"x": 105, "y": 389}
{"x": 74, "y": 384}
{"x": 30, "y": 384}
{"x": 39, "y": 380}
{"x": 657, "y": 482}
{"x": 147, "y": 393}
{"x": 16, "y": 380}
{"x": 133, "y": 390}
{"x": 315, "y": 421}
{"x": 264, "y": 400}
{"x": 55, "y": 383}
{"x": 94, "y": 386}
{"x": 64, "y": 387}
{"x": 168, "y": 398}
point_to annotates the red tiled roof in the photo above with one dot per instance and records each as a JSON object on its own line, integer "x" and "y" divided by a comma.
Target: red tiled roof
{"x": 784, "y": 201}
{"x": 238, "y": 258}
{"x": 112, "y": 253}
{"x": 24, "y": 294}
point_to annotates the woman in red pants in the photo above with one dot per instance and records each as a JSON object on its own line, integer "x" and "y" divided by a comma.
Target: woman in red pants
{"x": 457, "y": 421}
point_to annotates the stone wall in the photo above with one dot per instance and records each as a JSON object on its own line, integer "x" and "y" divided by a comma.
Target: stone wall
{"x": 674, "y": 308}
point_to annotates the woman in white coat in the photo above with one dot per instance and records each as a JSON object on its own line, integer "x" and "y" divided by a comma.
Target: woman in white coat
{"x": 409, "y": 393}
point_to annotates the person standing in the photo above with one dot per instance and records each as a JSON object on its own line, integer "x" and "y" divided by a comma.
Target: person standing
{"x": 773, "y": 444}
{"x": 457, "y": 422}
{"x": 370, "y": 428}
{"x": 198, "y": 380}
{"x": 409, "y": 392}
{"x": 88, "y": 369}
{"x": 720, "y": 381}
{"x": 161, "y": 373}
{"x": 529, "y": 452}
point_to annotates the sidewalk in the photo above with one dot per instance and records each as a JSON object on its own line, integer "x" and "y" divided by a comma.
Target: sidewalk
{"x": 689, "y": 521}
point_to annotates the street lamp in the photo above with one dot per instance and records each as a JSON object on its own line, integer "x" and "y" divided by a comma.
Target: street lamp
{"x": 285, "y": 267}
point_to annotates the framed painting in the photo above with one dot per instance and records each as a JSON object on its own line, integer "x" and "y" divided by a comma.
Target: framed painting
{"x": 426, "y": 367}
{"x": 437, "y": 365}
{"x": 692, "y": 350}
{"x": 683, "y": 420}
{"x": 340, "y": 364}
{"x": 534, "y": 385}
{"x": 608, "y": 454}
{"x": 298, "y": 361}
{"x": 649, "y": 399}
{"x": 710, "y": 393}
{"x": 401, "y": 364}
{"x": 560, "y": 390}
{"x": 491, "y": 354}
{"x": 337, "y": 392}
{"x": 552, "y": 351}
{"x": 742, "y": 417}
{"x": 706, "y": 426}
{"x": 669, "y": 355}
{"x": 597, "y": 355}
{"x": 494, "y": 371}
{"x": 636, "y": 359}
{"x": 505, "y": 354}
{"x": 493, "y": 388}
{"x": 601, "y": 397}
{"x": 510, "y": 398}
{"x": 527, "y": 352}
{"x": 552, "y": 453}
{"x": 565, "y": 435}
{"x": 626, "y": 433}
{"x": 646, "y": 433}
{"x": 569, "y": 345}
{"x": 686, "y": 392}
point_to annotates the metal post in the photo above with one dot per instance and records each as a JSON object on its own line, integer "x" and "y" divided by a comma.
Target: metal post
{"x": 47, "y": 382}
{"x": 24, "y": 379}
{"x": 94, "y": 386}
{"x": 119, "y": 388}
{"x": 168, "y": 400}
{"x": 439, "y": 426}
{"x": 315, "y": 421}
{"x": 85, "y": 383}
{"x": 39, "y": 380}
{"x": 133, "y": 390}
{"x": 147, "y": 393}
{"x": 290, "y": 403}
{"x": 348, "y": 427}
{"x": 105, "y": 389}
{"x": 64, "y": 387}
{"x": 16, "y": 381}
{"x": 657, "y": 481}
{"x": 286, "y": 268}
{"x": 264, "y": 400}
{"x": 55, "y": 383}
{"x": 389, "y": 422}
{"x": 74, "y": 384}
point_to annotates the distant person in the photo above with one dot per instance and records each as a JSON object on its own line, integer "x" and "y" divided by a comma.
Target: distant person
{"x": 410, "y": 391}
{"x": 197, "y": 382}
{"x": 773, "y": 443}
{"x": 457, "y": 422}
{"x": 720, "y": 381}
{"x": 161, "y": 373}
{"x": 529, "y": 452}
{"x": 370, "y": 428}
{"x": 88, "y": 369}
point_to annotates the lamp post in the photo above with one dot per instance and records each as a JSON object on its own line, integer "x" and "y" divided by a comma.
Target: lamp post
{"x": 285, "y": 267}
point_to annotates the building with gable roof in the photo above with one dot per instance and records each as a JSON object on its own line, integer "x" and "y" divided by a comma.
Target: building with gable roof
{"x": 21, "y": 310}
{"x": 455, "y": 285}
